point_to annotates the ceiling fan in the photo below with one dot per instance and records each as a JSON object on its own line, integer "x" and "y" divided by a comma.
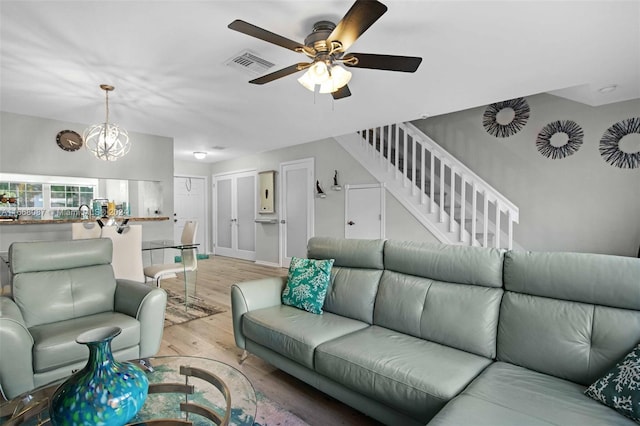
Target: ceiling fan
{"x": 327, "y": 45}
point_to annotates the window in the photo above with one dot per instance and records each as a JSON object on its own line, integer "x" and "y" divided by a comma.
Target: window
{"x": 56, "y": 199}
{"x": 70, "y": 196}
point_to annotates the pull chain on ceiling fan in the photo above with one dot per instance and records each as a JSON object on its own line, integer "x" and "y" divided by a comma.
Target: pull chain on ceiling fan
{"x": 326, "y": 46}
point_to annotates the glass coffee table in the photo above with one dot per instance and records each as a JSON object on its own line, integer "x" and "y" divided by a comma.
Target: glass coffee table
{"x": 182, "y": 390}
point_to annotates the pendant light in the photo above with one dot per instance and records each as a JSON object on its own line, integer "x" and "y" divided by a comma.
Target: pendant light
{"x": 107, "y": 141}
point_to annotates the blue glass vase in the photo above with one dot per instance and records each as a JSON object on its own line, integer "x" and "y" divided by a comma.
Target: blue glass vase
{"x": 104, "y": 392}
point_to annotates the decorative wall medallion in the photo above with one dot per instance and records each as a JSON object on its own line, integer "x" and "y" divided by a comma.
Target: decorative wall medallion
{"x": 573, "y": 144}
{"x": 610, "y": 144}
{"x": 516, "y": 112}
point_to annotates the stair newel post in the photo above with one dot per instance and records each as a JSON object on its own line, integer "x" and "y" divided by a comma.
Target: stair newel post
{"x": 463, "y": 205}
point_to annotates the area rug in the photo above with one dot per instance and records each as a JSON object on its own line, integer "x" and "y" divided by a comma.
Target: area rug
{"x": 270, "y": 413}
{"x": 176, "y": 313}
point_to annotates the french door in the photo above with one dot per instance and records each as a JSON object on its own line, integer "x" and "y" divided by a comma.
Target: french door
{"x": 235, "y": 199}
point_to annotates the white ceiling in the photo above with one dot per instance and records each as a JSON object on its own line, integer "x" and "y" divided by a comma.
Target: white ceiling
{"x": 167, "y": 62}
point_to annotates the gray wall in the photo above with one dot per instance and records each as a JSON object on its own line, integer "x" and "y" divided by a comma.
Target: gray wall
{"x": 27, "y": 145}
{"x": 579, "y": 203}
{"x": 329, "y": 211}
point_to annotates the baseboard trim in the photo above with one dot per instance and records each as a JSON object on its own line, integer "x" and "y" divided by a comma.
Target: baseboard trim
{"x": 270, "y": 264}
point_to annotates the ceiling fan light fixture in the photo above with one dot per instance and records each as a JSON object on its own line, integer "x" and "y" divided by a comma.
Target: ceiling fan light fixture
{"x": 107, "y": 141}
{"x": 317, "y": 74}
{"x": 340, "y": 77}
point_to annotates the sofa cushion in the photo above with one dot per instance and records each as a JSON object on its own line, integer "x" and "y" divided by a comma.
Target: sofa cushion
{"x": 620, "y": 387}
{"x": 36, "y": 256}
{"x": 295, "y": 333}
{"x": 307, "y": 284}
{"x": 458, "y": 315}
{"x": 582, "y": 277}
{"x": 445, "y": 262}
{"x": 505, "y": 395}
{"x": 352, "y": 292}
{"x": 55, "y": 343}
{"x": 571, "y": 340}
{"x": 415, "y": 376}
{"x": 352, "y": 253}
{"x": 59, "y": 295}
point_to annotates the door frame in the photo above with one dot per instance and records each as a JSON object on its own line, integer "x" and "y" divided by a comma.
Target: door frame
{"x": 208, "y": 246}
{"x": 383, "y": 191}
{"x": 214, "y": 198}
{"x": 309, "y": 164}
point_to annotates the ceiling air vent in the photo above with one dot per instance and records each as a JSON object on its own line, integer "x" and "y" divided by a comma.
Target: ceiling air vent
{"x": 250, "y": 62}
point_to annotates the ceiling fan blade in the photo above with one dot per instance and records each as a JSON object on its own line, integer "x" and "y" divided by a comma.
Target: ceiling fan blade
{"x": 342, "y": 92}
{"x": 281, "y": 73}
{"x": 262, "y": 34}
{"x": 383, "y": 62}
{"x": 357, "y": 20}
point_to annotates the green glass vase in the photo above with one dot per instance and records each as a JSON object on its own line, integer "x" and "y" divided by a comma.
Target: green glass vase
{"x": 105, "y": 392}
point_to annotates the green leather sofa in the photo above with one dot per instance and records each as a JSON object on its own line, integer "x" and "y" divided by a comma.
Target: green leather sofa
{"x": 447, "y": 335}
{"x": 59, "y": 290}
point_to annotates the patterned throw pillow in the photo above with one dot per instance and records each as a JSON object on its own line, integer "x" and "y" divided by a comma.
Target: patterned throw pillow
{"x": 307, "y": 284}
{"x": 620, "y": 387}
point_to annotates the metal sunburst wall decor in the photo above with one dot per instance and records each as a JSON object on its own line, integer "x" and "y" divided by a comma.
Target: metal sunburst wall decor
{"x": 610, "y": 144}
{"x": 570, "y": 128}
{"x": 521, "y": 112}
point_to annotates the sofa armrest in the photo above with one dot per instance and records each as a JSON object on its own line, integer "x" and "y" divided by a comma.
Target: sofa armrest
{"x": 147, "y": 304}
{"x": 251, "y": 295}
{"x": 16, "y": 345}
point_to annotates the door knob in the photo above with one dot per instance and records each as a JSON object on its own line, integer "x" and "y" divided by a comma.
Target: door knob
{"x": 351, "y": 223}
{"x": 283, "y": 221}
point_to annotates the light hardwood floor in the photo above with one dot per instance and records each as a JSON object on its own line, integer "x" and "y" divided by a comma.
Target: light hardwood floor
{"x": 212, "y": 337}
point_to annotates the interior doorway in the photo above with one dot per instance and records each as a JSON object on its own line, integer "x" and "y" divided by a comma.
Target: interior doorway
{"x": 190, "y": 203}
{"x": 296, "y": 208}
{"x": 235, "y": 214}
{"x": 364, "y": 211}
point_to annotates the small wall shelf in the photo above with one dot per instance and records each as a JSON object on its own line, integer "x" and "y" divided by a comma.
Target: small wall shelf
{"x": 267, "y": 221}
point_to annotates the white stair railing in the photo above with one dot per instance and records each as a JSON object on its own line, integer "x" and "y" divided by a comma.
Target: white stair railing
{"x": 453, "y": 202}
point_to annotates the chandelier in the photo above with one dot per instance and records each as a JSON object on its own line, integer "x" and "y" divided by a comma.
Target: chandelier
{"x": 107, "y": 141}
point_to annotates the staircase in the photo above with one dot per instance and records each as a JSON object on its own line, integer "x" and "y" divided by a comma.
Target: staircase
{"x": 445, "y": 196}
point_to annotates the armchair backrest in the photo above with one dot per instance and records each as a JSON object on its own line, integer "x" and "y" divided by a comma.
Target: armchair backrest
{"x": 59, "y": 280}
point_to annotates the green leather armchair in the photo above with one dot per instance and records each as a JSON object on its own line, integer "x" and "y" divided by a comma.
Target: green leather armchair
{"x": 59, "y": 290}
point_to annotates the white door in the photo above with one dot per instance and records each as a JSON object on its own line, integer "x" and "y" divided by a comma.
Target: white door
{"x": 296, "y": 208}
{"x": 189, "y": 203}
{"x": 364, "y": 211}
{"x": 235, "y": 211}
